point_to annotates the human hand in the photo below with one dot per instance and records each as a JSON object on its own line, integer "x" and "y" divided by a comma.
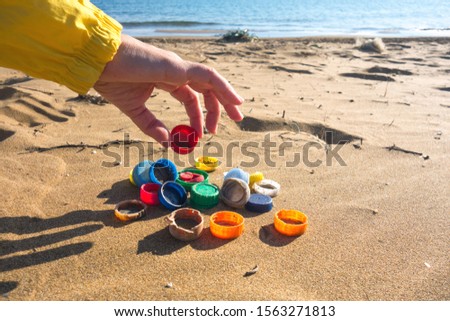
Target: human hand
{"x": 138, "y": 68}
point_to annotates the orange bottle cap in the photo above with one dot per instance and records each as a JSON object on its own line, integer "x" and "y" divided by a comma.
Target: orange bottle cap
{"x": 226, "y": 225}
{"x": 290, "y": 222}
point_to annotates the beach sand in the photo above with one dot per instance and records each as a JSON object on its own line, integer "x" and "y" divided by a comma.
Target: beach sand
{"x": 378, "y": 217}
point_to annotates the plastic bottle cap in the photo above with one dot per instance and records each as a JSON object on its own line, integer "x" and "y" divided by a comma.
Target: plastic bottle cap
{"x": 185, "y": 224}
{"x": 149, "y": 193}
{"x": 162, "y": 170}
{"x": 259, "y": 203}
{"x": 204, "y": 196}
{"x": 129, "y": 210}
{"x": 267, "y": 187}
{"x": 238, "y": 173}
{"x": 290, "y": 222}
{"x": 255, "y": 177}
{"x": 194, "y": 174}
{"x": 186, "y": 176}
{"x": 190, "y": 177}
{"x": 140, "y": 174}
{"x": 183, "y": 139}
{"x": 172, "y": 195}
{"x": 235, "y": 192}
{"x": 131, "y": 178}
{"x": 226, "y": 225}
{"x": 197, "y": 178}
{"x": 206, "y": 163}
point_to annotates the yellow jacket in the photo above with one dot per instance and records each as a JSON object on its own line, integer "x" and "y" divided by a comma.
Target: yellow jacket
{"x": 66, "y": 41}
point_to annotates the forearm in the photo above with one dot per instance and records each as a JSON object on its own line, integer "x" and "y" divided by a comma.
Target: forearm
{"x": 68, "y": 42}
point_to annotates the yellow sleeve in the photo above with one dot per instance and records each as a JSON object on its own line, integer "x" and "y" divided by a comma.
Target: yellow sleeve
{"x": 65, "y": 41}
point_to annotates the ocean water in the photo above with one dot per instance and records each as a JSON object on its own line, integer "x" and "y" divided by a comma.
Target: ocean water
{"x": 281, "y": 18}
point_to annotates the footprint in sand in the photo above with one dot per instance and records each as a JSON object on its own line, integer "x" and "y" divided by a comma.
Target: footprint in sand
{"x": 389, "y": 71}
{"x": 325, "y": 133}
{"x": 367, "y": 76}
{"x": 22, "y": 106}
{"x": 5, "y": 134}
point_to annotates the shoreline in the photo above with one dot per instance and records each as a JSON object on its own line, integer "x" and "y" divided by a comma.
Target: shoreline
{"x": 331, "y": 38}
{"x": 378, "y": 224}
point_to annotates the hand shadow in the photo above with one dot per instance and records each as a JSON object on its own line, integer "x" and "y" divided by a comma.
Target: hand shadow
{"x": 22, "y": 261}
{"x": 9, "y": 247}
{"x": 29, "y": 225}
{"x": 6, "y": 287}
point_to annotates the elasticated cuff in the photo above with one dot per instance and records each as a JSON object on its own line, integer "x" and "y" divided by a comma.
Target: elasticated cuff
{"x": 87, "y": 66}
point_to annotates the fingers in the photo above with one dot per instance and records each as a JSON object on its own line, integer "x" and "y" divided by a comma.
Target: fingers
{"x": 213, "y": 108}
{"x": 189, "y": 99}
{"x": 149, "y": 124}
{"x": 191, "y": 103}
{"x": 203, "y": 78}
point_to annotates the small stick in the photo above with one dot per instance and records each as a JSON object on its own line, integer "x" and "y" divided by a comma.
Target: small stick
{"x": 82, "y": 145}
{"x": 252, "y": 271}
{"x": 399, "y": 149}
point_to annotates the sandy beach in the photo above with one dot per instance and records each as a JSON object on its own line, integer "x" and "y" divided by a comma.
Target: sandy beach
{"x": 374, "y": 128}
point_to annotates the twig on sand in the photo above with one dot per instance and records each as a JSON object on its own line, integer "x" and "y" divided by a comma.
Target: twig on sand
{"x": 84, "y": 146}
{"x": 252, "y": 271}
{"x": 406, "y": 151}
{"x": 92, "y": 99}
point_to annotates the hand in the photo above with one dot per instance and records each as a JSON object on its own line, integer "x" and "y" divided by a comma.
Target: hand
{"x": 138, "y": 68}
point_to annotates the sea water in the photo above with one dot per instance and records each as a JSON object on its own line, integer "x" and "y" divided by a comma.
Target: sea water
{"x": 281, "y": 18}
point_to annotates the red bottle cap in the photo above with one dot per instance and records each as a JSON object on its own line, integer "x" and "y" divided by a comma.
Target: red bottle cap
{"x": 197, "y": 178}
{"x": 149, "y": 193}
{"x": 186, "y": 176}
{"x": 183, "y": 139}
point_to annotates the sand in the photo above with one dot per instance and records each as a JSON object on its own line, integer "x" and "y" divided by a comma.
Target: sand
{"x": 379, "y": 227}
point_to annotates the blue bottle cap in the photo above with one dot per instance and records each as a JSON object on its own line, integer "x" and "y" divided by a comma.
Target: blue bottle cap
{"x": 140, "y": 173}
{"x": 239, "y": 174}
{"x": 163, "y": 170}
{"x": 172, "y": 195}
{"x": 259, "y": 203}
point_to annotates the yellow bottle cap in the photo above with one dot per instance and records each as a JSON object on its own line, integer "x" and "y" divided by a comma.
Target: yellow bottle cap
{"x": 131, "y": 178}
{"x": 206, "y": 163}
{"x": 255, "y": 177}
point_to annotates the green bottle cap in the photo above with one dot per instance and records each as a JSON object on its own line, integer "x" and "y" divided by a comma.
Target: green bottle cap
{"x": 204, "y": 195}
{"x": 189, "y": 184}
